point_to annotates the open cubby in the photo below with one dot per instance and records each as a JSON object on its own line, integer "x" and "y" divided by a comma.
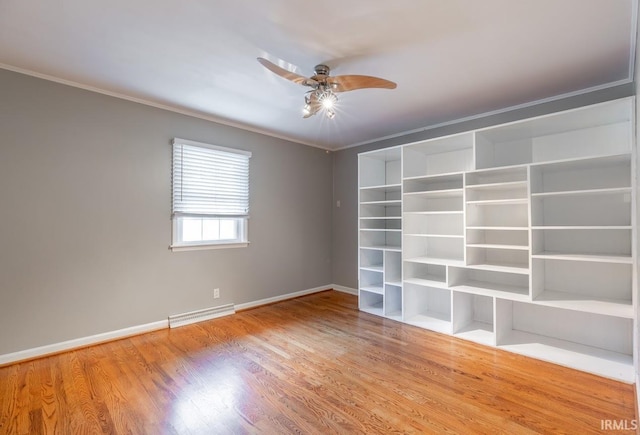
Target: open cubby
{"x": 439, "y": 156}
{"x": 380, "y": 194}
{"x": 473, "y": 317}
{"x": 599, "y": 130}
{"x": 427, "y": 307}
{"x": 431, "y": 275}
{"x": 435, "y": 201}
{"x": 489, "y": 283}
{"x": 437, "y": 224}
{"x": 598, "y": 287}
{"x": 513, "y": 260}
{"x": 393, "y": 268}
{"x": 596, "y": 209}
{"x": 380, "y": 210}
{"x": 371, "y": 259}
{"x": 447, "y": 248}
{"x": 605, "y": 244}
{"x": 380, "y": 224}
{"x": 381, "y": 239}
{"x": 498, "y": 215}
{"x": 433, "y": 183}
{"x": 393, "y": 302}
{"x": 609, "y": 172}
{"x": 499, "y": 192}
{"x": 498, "y": 239}
{"x": 495, "y": 178}
{"x": 591, "y": 342}
{"x": 380, "y": 168}
{"x": 371, "y": 280}
{"x": 371, "y": 302}
{"x": 497, "y": 186}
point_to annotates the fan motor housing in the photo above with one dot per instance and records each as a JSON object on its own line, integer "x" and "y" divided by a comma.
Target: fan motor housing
{"x": 322, "y": 70}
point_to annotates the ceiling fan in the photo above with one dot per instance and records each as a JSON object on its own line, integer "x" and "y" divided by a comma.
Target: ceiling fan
{"x": 324, "y": 87}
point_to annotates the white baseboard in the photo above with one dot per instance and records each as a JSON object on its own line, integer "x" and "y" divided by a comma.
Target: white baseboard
{"x": 49, "y": 349}
{"x": 38, "y": 352}
{"x": 343, "y": 289}
{"x": 280, "y": 298}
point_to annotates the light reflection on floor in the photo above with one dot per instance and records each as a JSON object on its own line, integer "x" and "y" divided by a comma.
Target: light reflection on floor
{"x": 211, "y": 401}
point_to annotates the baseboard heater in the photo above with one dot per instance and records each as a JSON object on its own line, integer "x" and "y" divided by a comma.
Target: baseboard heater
{"x": 201, "y": 315}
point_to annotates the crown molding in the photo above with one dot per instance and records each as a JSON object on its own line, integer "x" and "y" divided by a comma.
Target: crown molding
{"x": 157, "y": 105}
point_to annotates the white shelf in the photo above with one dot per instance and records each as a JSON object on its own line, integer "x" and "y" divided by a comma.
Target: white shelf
{"x": 394, "y": 283}
{"x": 433, "y": 212}
{"x": 434, "y": 283}
{"x": 590, "y": 359}
{"x": 450, "y": 236}
{"x": 582, "y": 227}
{"x": 386, "y": 202}
{"x": 510, "y": 292}
{"x": 607, "y": 191}
{"x": 383, "y": 248}
{"x": 499, "y": 228}
{"x": 479, "y": 332}
{"x": 380, "y": 217}
{"x": 506, "y": 268}
{"x": 576, "y": 302}
{"x": 507, "y": 185}
{"x": 433, "y": 260}
{"x": 495, "y": 246}
{"x": 444, "y": 193}
{"x": 598, "y": 258}
{"x": 512, "y": 201}
{"x": 582, "y": 162}
{"x": 375, "y": 268}
{"x": 432, "y": 176}
{"x": 431, "y": 320}
{"x": 383, "y": 188}
{"x": 373, "y": 289}
{"x": 381, "y": 229}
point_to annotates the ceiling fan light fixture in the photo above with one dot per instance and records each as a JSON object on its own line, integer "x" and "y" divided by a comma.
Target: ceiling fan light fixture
{"x": 322, "y": 96}
{"x": 306, "y": 110}
{"x": 328, "y": 99}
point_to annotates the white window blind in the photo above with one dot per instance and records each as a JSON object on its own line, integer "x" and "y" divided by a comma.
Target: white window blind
{"x": 209, "y": 181}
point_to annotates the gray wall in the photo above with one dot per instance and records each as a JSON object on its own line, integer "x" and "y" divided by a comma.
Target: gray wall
{"x": 85, "y": 194}
{"x": 345, "y": 173}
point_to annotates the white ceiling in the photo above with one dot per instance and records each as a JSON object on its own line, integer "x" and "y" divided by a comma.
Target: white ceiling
{"x": 451, "y": 58}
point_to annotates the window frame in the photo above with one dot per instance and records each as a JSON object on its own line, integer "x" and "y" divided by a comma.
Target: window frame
{"x": 242, "y": 239}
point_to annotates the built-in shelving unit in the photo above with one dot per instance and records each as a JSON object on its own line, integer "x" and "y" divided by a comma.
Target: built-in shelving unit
{"x": 380, "y": 233}
{"x": 519, "y": 236}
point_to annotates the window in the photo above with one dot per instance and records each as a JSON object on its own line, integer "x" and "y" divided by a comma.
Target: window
{"x": 210, "y": 196}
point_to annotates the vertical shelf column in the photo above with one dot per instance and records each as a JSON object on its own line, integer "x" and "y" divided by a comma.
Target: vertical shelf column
{"x": 380, "y": 232}
{"x": 433, "y": 230}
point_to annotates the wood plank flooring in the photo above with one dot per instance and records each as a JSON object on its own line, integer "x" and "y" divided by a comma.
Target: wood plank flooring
{"x": 306, "y": 366}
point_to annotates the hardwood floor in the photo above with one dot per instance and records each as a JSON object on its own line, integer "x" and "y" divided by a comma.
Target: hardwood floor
{"x": 308, "y": 365}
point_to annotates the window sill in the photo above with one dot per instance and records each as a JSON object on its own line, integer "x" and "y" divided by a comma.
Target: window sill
{"x": 177, "y": 248}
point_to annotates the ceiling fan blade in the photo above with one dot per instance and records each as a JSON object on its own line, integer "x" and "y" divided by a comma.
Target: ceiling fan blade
{"x": 353, "y": 82}
{"x": 296, "y": 78}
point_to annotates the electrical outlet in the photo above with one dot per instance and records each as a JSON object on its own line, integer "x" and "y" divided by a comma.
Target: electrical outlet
{"x": 216, "y": 293}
